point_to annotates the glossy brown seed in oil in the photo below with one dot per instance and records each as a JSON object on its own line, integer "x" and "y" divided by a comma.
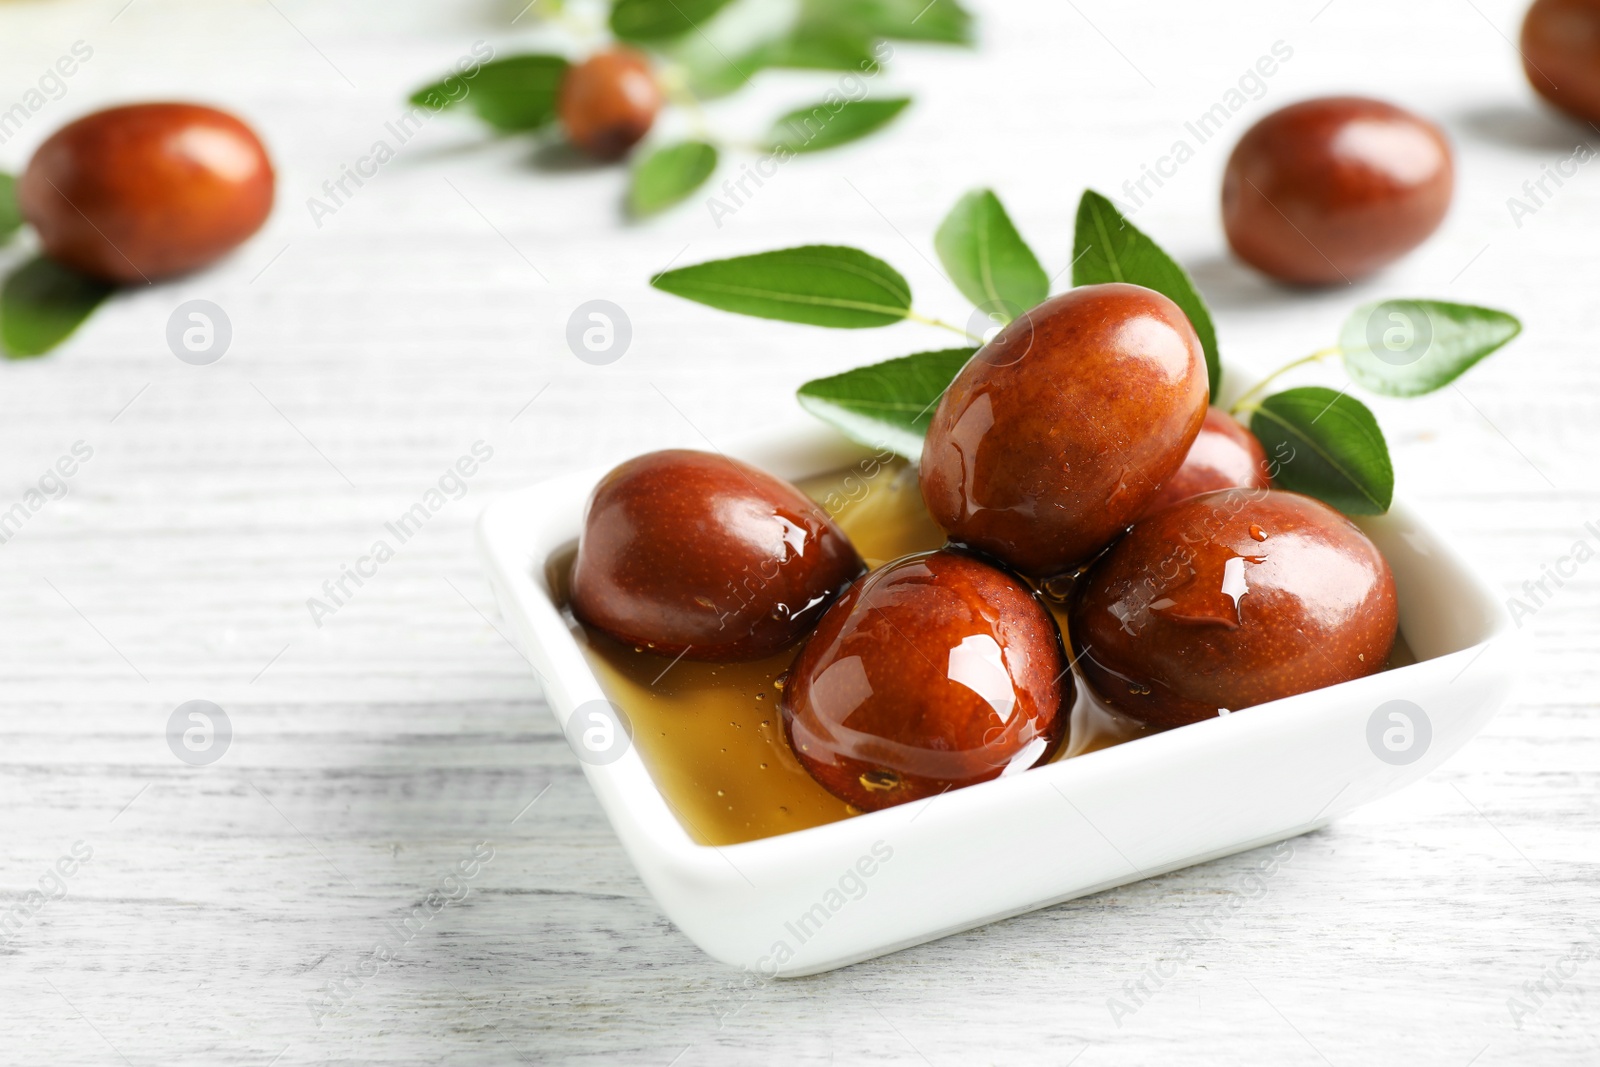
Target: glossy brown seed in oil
{"x": 935, "y": 672}
{"x": 1229, "y": 600}
{"x": 1225, "y": 455}
{"x": 1061, "y": 430}
{"x": 702, "y": 555}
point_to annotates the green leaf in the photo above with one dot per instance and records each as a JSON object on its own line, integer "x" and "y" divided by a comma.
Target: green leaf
{"x": 987, "y": 258}
{"x": 10, "y": 211}
{"x": 940, "y": 21}
{"x": 824, "y": 125}
{"x": 887, "y": 404}
{"x": 814, "y": 40}
{"x": 667, "y": 175}
{"x": 649, "y": 21}
{"x": 822, "y": 285}
{"x": 723, "y": 59}
{"x": 513, "y": 94}
{"x": 1108, "y": 248}
{"x": 819, "y": 46}
{"x": 1327, "y": 445}
{"x": 712, "y": 75}
{"x": 42, "y": 302}
{"x": 846, "y": 35}
{"x": 1411, "y": 347}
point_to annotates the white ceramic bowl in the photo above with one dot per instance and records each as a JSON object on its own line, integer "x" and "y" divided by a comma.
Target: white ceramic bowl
{"x": 832, "y": 895}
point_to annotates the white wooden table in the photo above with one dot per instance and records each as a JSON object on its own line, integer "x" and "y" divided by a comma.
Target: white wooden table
{"x": 373, "y": 753}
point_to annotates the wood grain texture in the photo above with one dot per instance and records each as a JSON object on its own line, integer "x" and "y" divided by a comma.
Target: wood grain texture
{"x": 373, "y": 753}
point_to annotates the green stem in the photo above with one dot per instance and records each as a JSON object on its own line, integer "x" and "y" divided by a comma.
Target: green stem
{"x": 1243, "y": 403}
{"x": 925, "y": 320}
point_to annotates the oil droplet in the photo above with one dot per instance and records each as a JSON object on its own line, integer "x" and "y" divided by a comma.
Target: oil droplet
{"x": 721, "y": 793}
{"x": 705, "y": 602}
{"x": 761, "y": 696}
{"x": 766, "y": 722}
{"x": 1257, "y": 532}
{"x": 1138, "y": 689}
{"x": 780, "y": 681}
{"x": 763, "y": 766}
{"x": 784, "y": 808}
{"x": 879, "y": 781}
{"x": 852, "y": 809}
{"x": 1362, "y": 656}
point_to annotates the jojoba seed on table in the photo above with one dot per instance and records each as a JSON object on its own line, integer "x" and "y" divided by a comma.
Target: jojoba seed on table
{"x": 1224, "y": 456}
{"x": 1229, "y": 600}
{"x": 1561, "y": 54}
{"x": 1331, "y": 190}
{"x": 934, "y": 672}
{"x": 1059, "y": 432}
{"x": 144, "y": 192}
{"x": 694, "y": 553}
{"x": 608, "y": 102}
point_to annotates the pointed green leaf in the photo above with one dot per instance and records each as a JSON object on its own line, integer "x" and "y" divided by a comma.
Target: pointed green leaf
{"x": 1411, "y": 347}
{"x": 886, "y": 404}
{"x": 726, "y": 56}
{"x": 10, "y": 211}
{"x": 847, "y": 35}
{"x": 651, "y": 21}
{"x": 823, "y": 285}
{"x": 1108, "y": 248}
{"x": 41, "y": 304}
{"x": 668, "y": 175}
{"x": 940, "y": 21}
{"x": 713, "y": 72}
{"x": 988, "y": 259}
{"x": 820, "y": 46}
{"x": 512, "y": 94}
{"x": 712, "y": 75}
{"x": 1328, "y": 445}
{"x": 824, "y": 125}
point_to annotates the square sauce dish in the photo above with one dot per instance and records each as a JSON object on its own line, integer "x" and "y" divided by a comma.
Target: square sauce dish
{"x": 764, "y": 870}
